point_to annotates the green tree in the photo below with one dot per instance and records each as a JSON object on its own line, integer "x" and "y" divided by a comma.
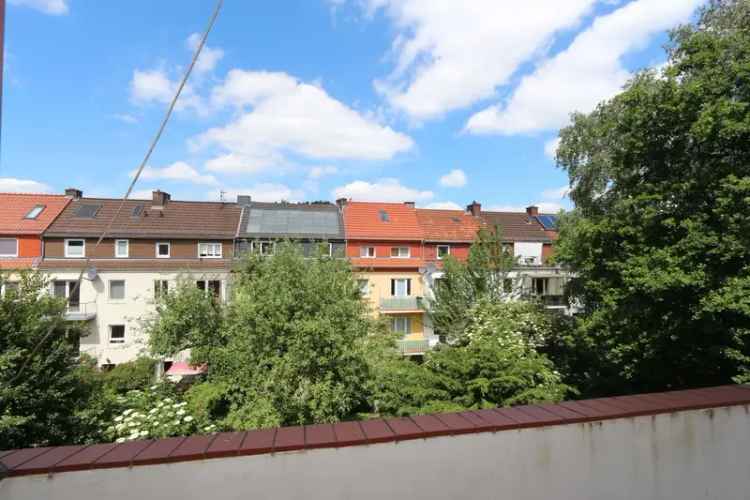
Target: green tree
{"x": 483, "y": 275}
{"x": 659, "y": 240}
{"x": 39, "y": 390}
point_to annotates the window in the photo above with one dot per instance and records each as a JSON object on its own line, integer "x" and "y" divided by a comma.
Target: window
{"x": 35, "y": 212}
{"x": 367, "y": 252}
{"x": 161, "y": 289}
{"x": 122, "y": 249}
{"x": 75, "y": 248}
{"x": 364, "y": 287}
{"x": 117, "y": 290}
{"x": 401, "y": 287}
{"x": 163, "y": 250}
{"x": 209, "y": 250}
{"x": 8, "y": 247}
{"x": 443, "y": 251}
{"x": 87, "y": 211}
{"x": 212, "y": 286}
{"x": 507, "y": 285}
{"x": 116, "y": 334}
{"x": 67, "y": 290}
{"x": 400, "y": 252}
{"x": 401, "y": 324}
{"x": 540, "y": 285}
{"x": 383, "y": 215}
{"x": 8, "y": 287}
{"x": 263, "y": 247}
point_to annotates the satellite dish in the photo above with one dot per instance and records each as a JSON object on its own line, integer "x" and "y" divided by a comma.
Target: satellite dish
{"x": 91, "y": 273}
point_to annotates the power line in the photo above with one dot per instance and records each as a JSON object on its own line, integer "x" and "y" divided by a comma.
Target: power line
{"x": 137, "y": 175}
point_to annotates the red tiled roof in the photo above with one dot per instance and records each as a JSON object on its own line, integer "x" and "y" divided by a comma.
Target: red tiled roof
{"x": 178, "y": 219}
{"x": 515, "y": 226}
{"x": 362, "y": 220}
{"x": 386, "y": 262}
{"x": 49, "y": 460}
{"x": 447, "y": 225}
{"x": 15, "y": 206}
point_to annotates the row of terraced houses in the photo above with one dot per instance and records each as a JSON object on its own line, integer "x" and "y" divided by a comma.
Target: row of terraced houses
{"x": 395, "y": 249}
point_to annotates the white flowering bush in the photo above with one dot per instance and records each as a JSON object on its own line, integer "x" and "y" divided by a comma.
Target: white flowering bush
{"x": 154, "y": 413}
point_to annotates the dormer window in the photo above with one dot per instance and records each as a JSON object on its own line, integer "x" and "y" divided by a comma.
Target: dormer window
{"x": 400, "y": 252}
{"x": 35, "y": 212}
{"x": 163, "y": 250}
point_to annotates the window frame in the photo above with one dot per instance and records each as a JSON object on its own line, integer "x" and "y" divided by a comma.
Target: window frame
{"x": 10, "y": 255}
{"x": 6, "y": 284}
{"x": 83, "y": 248}
{"x": 124, "y": 290}
{"x": 207, "y": 288}
{"x": 160, "y": 289}
{"x": 211, "y": 243}
{"x": 169, "y": 249}
{"x": 394, "y": 287}
{"x": 39, "y": 207}
{"x": 119, "y": 340}
{"x": 363, "y": 284}
{"x": 437, "y": 251}
{"x": 407, "y": 325}
{"x": 364, "y": 252}
{"x": 259, "y": 244}
{"x": 398, "y": 251}
{"x": 117, "y": 249}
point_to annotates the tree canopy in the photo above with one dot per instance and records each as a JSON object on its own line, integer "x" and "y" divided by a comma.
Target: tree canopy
{"x": 659, "y": 240}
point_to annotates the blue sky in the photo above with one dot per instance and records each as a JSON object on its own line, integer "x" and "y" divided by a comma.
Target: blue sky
{"x": 434, "y": 101}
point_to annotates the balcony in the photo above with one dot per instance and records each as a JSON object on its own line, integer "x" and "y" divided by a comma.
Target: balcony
{"x": 401, "y": 305}
{"x": 413, "y": 347}
{"x": 81, "y": 312}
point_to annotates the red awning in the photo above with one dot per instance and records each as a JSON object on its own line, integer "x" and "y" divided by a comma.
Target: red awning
{"x": 182, "y": 368}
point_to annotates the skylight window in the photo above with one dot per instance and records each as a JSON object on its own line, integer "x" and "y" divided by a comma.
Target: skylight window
{"x": 137, "y": 210}
{"x": 87, "y": 211}
{"x": 35, "y": 212}
{"x": 384, "y": 216}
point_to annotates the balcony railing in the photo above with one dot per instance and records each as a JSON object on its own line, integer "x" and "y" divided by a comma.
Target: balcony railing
{"x": 413, "y": 347}
{"x": 401, "y": 304}
{"x": 81, "y": 312}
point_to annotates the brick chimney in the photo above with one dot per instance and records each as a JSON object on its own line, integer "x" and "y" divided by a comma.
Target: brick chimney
{"x": 159, "y": 199}
{"x": 74, "y": 193}
{"x": 532, "y": 211}
{"x": 341, "y": 202}
{"x": 409, "y": 204}
{"x": 244, "y": 199}
{"x": 475, "y": 208}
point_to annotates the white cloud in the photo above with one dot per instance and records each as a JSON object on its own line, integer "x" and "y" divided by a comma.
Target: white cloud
{"x": 454, "y": 178}
{"x": 588, "y": 71}
{"x": 544, "y": 207}
{"x": 444, "y": 205}
{"x": 209, "y": 57}
{"x": 550, "y": 147}
{"x": 53, "y": 7}
{"x": 450, "y": 54}
{"x": 261, "y": 192}
{"x": 155, "y": 86}
{"x": 142, "y": 194}
{"x": 177, "y": 171}
{"x": 387, "y": 189}
{"x": 556, "y": 193}
{"x": 281, "y": 116}
{"x": 14, "y": 185}
{"x": 125, "y": 118}
{"x": 322, "y": 171}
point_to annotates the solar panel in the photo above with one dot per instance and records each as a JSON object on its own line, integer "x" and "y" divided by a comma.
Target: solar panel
{"x": 137, "y": 210}
{"x": 87, "y": 211}
{"x": 547, "y": 221}
{"x": 286, "y": 222}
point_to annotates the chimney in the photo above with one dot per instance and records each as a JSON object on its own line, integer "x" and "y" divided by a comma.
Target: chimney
{"x": 409, "y": 204}
{"x": 532, "y": 211}
{"x": 341, "y": 202}
{"x": 159, "y": 199}
{"x": 74, "y": 193}
{"x": 244, "y": 199}
{"x": 475, "y": 208}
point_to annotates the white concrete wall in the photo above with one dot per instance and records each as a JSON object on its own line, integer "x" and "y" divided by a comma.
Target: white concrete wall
{"x": 687, "y": 455}
{"x": 131, "y": 312}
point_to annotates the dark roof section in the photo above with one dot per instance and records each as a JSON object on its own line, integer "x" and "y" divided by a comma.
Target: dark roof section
{"x": 263, "y": 441}
{"x": 548, "y": 221}
{"x": 515, "y": 226}
{"x": 314, "y": 221}
{"x": 88, "y": 217}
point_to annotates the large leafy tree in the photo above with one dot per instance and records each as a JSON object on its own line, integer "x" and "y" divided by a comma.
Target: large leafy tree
{"x": 39, "y": 391}
{"x": 660, "y": 237}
